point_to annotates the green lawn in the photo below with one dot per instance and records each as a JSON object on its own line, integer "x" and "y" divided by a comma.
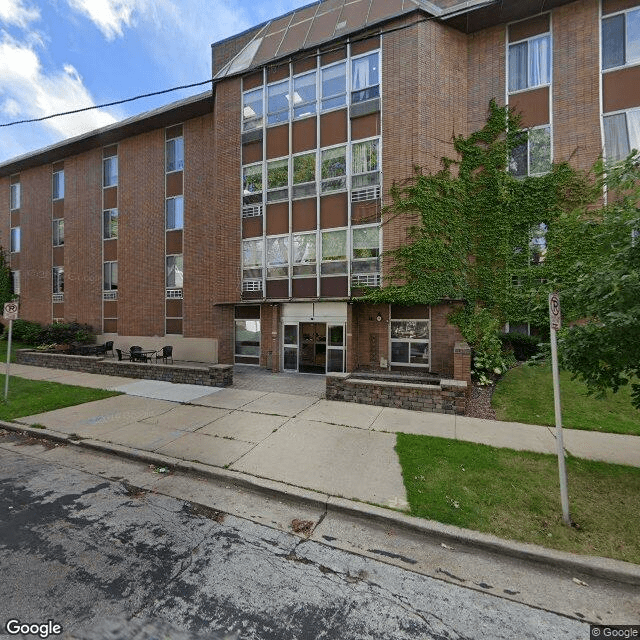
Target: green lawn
{"x": 28, "y": 397}
{"x": 525, "y": 394}
{"x": 516, "y": 495}
{"x": 14, "y": 346}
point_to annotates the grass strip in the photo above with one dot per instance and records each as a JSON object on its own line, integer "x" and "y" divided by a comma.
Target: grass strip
{"x": 525, "y": 394}
{"x": 516, "y": 495}
{"x": 30, "y": 397}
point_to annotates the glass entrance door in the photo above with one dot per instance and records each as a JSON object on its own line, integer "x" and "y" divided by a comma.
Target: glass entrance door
{"x": 313, "y": 347}
{"x": 290, "y": 347}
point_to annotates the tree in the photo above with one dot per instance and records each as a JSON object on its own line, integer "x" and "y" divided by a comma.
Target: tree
{"x": 6, "y": 284}
{"x": 604, "y": 351}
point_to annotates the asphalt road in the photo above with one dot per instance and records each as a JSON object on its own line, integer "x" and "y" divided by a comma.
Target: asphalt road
{"x": 108, "y": 562}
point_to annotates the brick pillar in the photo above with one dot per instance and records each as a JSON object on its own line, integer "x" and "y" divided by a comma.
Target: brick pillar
{"x": 274, "y": 343}
{"x": 462, "y": 363}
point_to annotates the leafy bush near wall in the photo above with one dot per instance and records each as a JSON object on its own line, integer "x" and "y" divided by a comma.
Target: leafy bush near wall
{"x": 523, "y": 346}
{"x": 34, "y": 334}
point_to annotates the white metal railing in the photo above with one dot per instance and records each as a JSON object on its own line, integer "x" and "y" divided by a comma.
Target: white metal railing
{"x": 58, "y": 297}
{"x": 367, "y": 193}
{"x": 252, "y": 211}
{"x": 109, "y": 295}
{"x": 365, "y": 280}
{"x": 252, "y": 285}
{"x": 174, "y": 294}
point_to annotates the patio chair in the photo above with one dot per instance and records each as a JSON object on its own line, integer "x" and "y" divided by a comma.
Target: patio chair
{"x": 135, "y": 353}
{"x": 167, "y": 353}
{"x": 108, "y": 346}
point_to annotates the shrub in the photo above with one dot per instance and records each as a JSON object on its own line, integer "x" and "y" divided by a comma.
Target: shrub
{"x": 66, "y": 333}
{"x": 27, "y": 332}
{"x": 523, "y": 346}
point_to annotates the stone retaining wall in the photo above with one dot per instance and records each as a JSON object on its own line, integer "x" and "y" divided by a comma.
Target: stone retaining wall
{"x": 218, "y": 375}
{"x": 447, "y": 397}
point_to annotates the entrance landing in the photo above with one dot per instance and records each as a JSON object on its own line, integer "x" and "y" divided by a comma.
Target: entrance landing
{"x": 299, "y": 384}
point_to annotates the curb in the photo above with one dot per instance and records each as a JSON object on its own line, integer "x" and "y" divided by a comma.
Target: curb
{"x": 597, "y": 566}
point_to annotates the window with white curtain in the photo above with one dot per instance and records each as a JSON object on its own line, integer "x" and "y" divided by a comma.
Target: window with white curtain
{"x": 365, "y": 163}
{"x": 365, "y": 77}
{"x": 174, "y": 208}
{"x": 530, "y": 63}
{"x": 14, "y": 198}
{"x": 110, "y": 171}
{"x": 174, "y": 271}
{"x": 110, "y": 280}
{"x": 58, "y": 185}
{"x": 252, "y": 259}
{"x": 365, "y": 250}
{"x": 278, "y": 257}
{"x": 304, "y": 254}
{"x": 621, "y": 39}
{"x": 58, "y": 232}
{"x": 621, "y": 134}
{"x": 175, "y": 154}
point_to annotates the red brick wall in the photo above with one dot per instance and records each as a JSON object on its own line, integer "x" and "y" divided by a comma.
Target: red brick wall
{"x": 443, "y": 339}
{"x": 36, "y": 248}
{"x": 371, "y": 339}
{"x": 576, "y": 85}
{"x": 83, "y": 238}
{"x": 5, "y": 221}
{"x": 141, "y": 257}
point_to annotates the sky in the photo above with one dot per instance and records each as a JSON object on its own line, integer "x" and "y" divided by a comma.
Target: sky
{"x": 59, "y": 55}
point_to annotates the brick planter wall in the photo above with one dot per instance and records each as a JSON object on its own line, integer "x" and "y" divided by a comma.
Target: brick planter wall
{"x": 218, "y": 375}
{"x": 447, "y": 397}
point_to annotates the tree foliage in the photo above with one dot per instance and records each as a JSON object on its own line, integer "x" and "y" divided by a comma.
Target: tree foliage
{"x": 6, "y": 285}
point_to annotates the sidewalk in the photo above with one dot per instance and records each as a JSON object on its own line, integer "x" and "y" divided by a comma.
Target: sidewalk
{"x": 338, "y": 448}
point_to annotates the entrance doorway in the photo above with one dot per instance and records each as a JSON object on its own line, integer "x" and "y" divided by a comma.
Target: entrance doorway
{"x": 313, "y": 347}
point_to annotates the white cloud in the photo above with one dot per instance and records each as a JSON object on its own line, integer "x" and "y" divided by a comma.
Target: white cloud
{"x": 110, "y": 16}
{"x": 26, "y": 91}
{"x": 14, "y": 12}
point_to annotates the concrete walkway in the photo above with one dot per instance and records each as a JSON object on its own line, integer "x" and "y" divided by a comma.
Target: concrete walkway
{"x": 337, "y": 448}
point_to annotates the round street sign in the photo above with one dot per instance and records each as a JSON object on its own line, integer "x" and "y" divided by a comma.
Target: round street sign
{"x": 554, "y": 311}
{"x": 10, "y": 311}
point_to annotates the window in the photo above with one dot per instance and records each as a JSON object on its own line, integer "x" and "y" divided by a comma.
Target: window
{"x": 252, "y": 259}
{"x": 58, "y": 233}
{"x": 15, "y": 282}
{"x": 174, "y": 272}
{"x": 110, "y": 281}
{"x": 252, "y": 184}
{"x": 15, "y": 196}
{"x": 278, "y": 257}
{"x": 334, "y": 169}
{"x": 410, "y": 340}
{"x": 252, "y": 109}
{"x": 304, "y": 254}
{"x": 621, "y": 39}
{"x": 175, "y": 212}
{"x": 365, "y": 164}
{"x": 15, "y": 240}
{"x": 247, "y": 342}
{"x": 110, "y": 224}
{"x": 110, "y": 171}
{"x": 304, "y": 175}
{"x": 534, "y": 156}
{"x": 530, "y": 63}
{"x": 58, "y": 185}
{"x": 334, "y": 252}
{"x": 334, "y": 86}
{"x": 175, "y": 154}
{"x": 304, "y": 95}
{"x": 365, "y": 77}
{"x": 278, "y": 102}
{"x": 365, "y": 250}
{"x": 277, "y": 180}
{"x": 538, "y": 244}
{"x": 621, "y": 134}
{"x": 58, "y": 280}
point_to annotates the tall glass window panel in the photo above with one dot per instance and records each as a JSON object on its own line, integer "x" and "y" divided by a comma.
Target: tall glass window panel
{"x": 334, "y": 252}
{"x": 539, "y": 151}
{"x": 15, "y": 240}
{"x": 175, "y": 212}
{"x": 365, "y": 250}
{"x": 15, "y": 282}
{"x": 58, "y": 233}
{"x": 277, "y": 180}
{"x": 365, "y": 163}
{"x": 304, "y": 95}
{"x": 410, "y": 342}
{"x": 304, "y": 175}
{"x": 530, "y": 63}
{"x": 110, "y": 171}
{"x": 616, "y": 137}
{"x": 304, "y": 254}
{"x": 290, "y": 343}
{"x": 633, "y": 36}
{"x": 621, "y": 39}
{"x": 58, "y": 279}
{"x": 278, "y": 102}
{"x": 110, "y": 224}
{"x": 252, "y": 259}
{"x": 15, "y": 196}
{"x": 334, "y": 86}
{"x": 278, "y": 257}
{"x": 518, "y": 55}
{"x": 174, "y": 271}
{"x": 538, "y": 244}
{"x": 175, "y": 154}
{"x": 633, "y": 126}
{"x": 58, "y": 185}
{"x": 110, "y": 282}
{"x": 335, "y": 349}
{"x": 334, "y": 169}
{"x": 252, "y": 184}
{"x": 252, "y": 109}
{"x": 365, "y": 77}
{"x": 247, "y": 342}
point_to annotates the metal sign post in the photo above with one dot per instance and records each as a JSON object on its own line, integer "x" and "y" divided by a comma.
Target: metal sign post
{"x": 555, "y": 320}
{"x": 10, "y": 314}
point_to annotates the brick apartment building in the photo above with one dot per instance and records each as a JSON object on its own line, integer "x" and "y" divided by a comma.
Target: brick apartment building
{"x": 240, "y": 225}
